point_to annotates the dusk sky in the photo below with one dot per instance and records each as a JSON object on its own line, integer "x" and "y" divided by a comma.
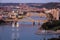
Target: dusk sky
{"x": 28, "y": 1}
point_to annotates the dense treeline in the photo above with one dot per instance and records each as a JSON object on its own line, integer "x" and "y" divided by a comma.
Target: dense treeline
{"x": 2, "y": 21}
{"x": 54, "y": 39}
{"x": 52, "y": 25}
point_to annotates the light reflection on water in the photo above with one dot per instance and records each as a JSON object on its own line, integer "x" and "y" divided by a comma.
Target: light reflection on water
{"x": 15, "y": 32}
{"x": 15, "y": 35}
{"x": 23, "y": 32}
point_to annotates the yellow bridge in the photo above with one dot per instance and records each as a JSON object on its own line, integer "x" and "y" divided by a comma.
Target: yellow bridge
{"x": 26, "y": 19}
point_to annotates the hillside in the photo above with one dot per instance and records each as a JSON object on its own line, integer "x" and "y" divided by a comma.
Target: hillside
{"x": 37, "y": 5}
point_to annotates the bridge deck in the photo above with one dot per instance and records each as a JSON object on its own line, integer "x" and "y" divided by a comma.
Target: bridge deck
{"x": 26, "y": 20}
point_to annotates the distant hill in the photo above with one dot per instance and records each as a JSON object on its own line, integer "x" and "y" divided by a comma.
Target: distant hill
{"x": 51, "y": 5}
{"x": 46, "y": 5}
{"x": 37, "y": 5}
{"x": 9, "y": 4}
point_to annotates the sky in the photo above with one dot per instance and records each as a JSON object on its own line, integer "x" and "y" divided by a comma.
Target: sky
{"x": 28, "y": 1}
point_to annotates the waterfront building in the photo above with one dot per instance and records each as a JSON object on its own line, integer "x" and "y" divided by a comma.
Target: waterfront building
{"x": 55, "y": 13}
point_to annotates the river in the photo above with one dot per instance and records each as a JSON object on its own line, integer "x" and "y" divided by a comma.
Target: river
{"x": 25, "y": 31}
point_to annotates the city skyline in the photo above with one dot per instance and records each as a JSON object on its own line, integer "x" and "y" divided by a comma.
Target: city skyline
{"x": 28, "y": 1}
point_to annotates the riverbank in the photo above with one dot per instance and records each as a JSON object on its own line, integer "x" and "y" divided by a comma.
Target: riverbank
{"x": 2, "y": 22}
{"x": 51, "y": 27}
{"x": 54, "y": 38}
{"x": 47, "y": 32}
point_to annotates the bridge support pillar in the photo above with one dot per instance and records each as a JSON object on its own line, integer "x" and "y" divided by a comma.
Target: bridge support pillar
{"x": 15, "y": 23}
{"x": 33, "y": 23}
{"x": 38, "y": 23}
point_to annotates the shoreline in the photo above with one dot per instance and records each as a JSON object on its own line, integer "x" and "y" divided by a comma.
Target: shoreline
{"x": 47, "y": 32}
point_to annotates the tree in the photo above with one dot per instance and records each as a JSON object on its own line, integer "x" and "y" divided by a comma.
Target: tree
{"x": 50, "y": 16}
{"x": 55, "y": 25}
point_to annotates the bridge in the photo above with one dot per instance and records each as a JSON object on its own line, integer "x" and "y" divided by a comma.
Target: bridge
{"x": 26, "y": 19}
